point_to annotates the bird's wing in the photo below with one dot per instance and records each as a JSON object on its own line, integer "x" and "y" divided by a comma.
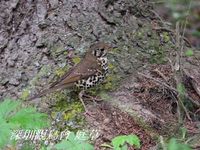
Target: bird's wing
{"x": 87, "y": 67}
{"x": 62, "y": 78}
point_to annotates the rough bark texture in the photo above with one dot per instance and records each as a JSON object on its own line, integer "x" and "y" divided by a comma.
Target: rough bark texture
{"x": 36, "y": 33}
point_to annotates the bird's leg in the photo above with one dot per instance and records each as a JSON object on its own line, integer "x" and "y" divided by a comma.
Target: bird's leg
{"x": 80, "y": 96}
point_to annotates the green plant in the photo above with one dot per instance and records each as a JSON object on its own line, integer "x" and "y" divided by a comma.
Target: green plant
{"x": 157, "y": 55}
{"x": 120, "y": 142}
{"x": 189, "y": 52}
{"x": 181, "y": 89}
{"x": 174, "y": 145}
{"x": 14, "y": 117}
{"x": 74, "y": 143}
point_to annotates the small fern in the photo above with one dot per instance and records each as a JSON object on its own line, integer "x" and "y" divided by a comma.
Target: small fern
{"x": 14, "y": 117}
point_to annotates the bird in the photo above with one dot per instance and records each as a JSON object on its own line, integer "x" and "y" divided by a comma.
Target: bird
{"x": 90, "y": 71}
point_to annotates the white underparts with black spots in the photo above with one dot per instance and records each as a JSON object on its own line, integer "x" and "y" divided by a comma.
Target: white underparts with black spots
{"x": 95, "y": 79}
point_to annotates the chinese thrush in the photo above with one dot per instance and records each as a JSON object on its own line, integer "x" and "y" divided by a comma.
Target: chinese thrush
{"x": 90, "y": 71}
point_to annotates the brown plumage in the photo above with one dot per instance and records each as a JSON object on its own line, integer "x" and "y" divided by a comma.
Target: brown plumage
{"x": 89, "y": 66}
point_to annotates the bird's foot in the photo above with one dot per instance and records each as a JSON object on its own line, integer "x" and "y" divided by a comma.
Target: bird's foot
{"x": 87, "y": 112}
{"x": 80, "y": 96}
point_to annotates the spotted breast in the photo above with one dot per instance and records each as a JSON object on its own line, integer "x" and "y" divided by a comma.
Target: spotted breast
{"x": 96, "y": 78}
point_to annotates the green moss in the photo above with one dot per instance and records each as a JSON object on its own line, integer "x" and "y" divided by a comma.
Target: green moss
{"x": 72, "y": 110}
{"x": 44, "y": 71}
{"x": 76, "y": 60}
{"x": 166, "y": 37}
{"x": 25, "y": 94}
{"x": 56, "y": 50}
{"x": 111, "y": 66}
{"x": 110, "y": 82}
{"x": 150, "y": 47}
{"x": 65, "y": 53}
{"x": 70, "y": 107}
{"x": 157, "y": 55}
{"x": 61, "y": 71}
{"x": 115, "y": 50}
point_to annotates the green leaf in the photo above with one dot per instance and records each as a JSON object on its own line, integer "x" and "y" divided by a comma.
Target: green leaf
{"x": 124, "y": 147}
{"x": 25, "y": 117}
{"x": 5, "y": 130}
{"x": 120, "y": 141}
{"x": 173, "y": 145}
{"x": 189, "y": 52}
{"x": 181, "y": 89}
{"x": 13, "y": 117}
{"x": 72, "y": 143}
{"x": 196, "y": 33}
{"x": 133, "y": 140}
{"x": 184, "y": 131}
{"x": 7, "y": 106}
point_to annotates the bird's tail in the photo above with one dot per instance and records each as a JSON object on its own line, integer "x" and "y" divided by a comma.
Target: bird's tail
{"x": 47, "y": 91}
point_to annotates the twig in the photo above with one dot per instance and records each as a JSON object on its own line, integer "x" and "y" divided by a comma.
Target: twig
{"x": 171, "y": 88}
{"x": 178, "y": 62}
{"x": 158, "y": 81}
{"x": 172, "y": 31}
{"x": 160, "y": 74}
{"x": 177, "y": 74}
{"x": 184, "y": 28}
{"x": 160, "y": 18}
